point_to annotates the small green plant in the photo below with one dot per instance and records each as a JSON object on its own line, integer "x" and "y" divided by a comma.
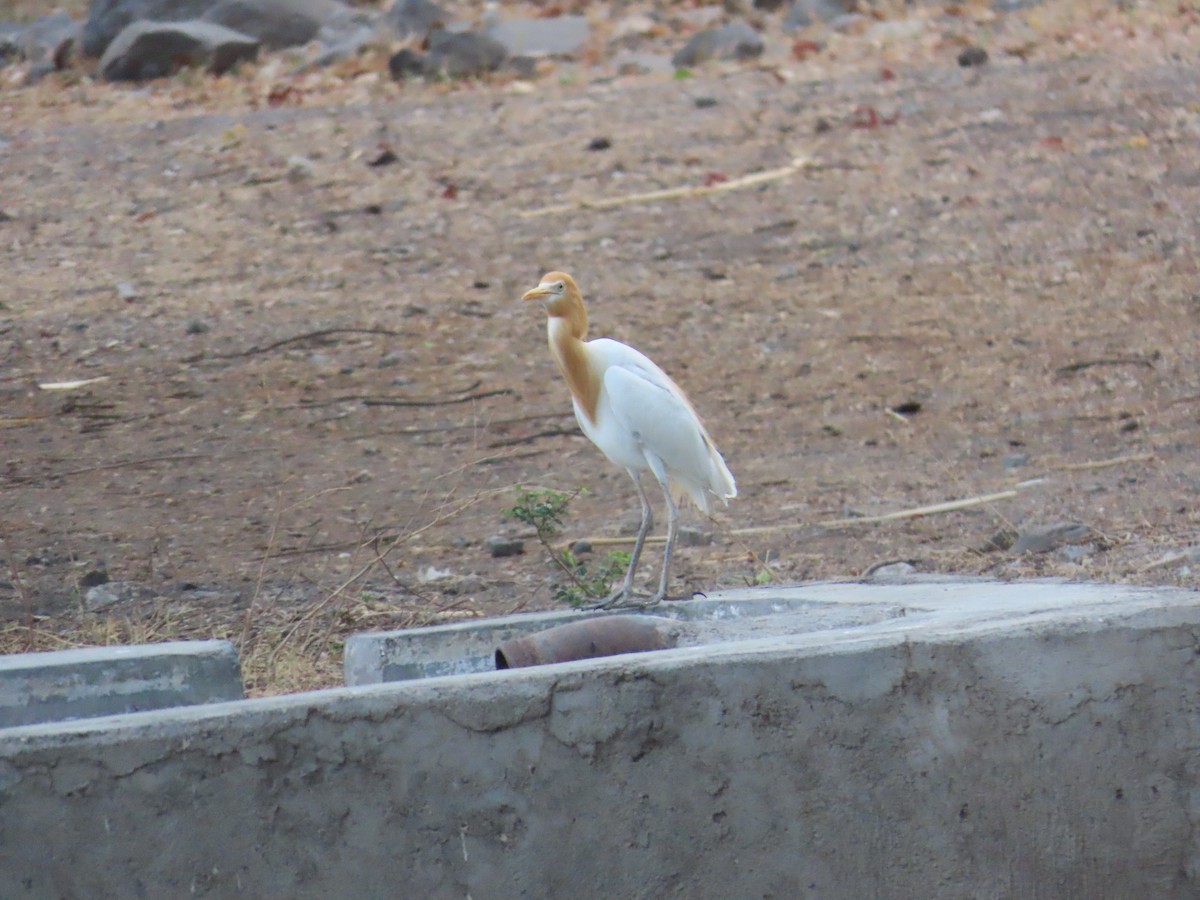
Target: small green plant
{"x": 543, "y": 510}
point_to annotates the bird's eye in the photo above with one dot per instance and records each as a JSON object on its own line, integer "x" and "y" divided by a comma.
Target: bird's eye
{"x": 560, "y": 286}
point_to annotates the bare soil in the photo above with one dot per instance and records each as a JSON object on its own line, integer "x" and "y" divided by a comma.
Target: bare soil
{"x": 320, "y": 390}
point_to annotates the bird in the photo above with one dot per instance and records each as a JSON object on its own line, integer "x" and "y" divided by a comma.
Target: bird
{"x": 638, "y": 417}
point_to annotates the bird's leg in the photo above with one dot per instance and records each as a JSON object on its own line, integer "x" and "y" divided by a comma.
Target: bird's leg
{"x": 625, "y": 591}
{"x": 672, "y": 530}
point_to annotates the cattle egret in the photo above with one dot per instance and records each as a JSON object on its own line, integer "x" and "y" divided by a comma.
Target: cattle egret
{"x": 638, "y": 417}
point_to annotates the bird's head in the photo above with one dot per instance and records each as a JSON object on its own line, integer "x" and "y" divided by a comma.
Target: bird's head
{"x": 557, "y": 291}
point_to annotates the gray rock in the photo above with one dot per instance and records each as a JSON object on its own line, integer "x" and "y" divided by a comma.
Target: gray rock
{"x": 499, "y": 546}
{"x": 452, "y": 54}
{"x": 737, "y": 40}
{"x": 41, "y": 39}
{"x": 156, "y": 49}
{"x": 1013, "y": 5}
{"x": 1016, "y": 460}
{"x": 108, "y": 18}
{"x": 405, "y": 17}
{"x": 275, "y": 23}
{"x": 346, "y": 46}
{"x": 805, "y": 12}
{"x": 103, "y": 596}
{"x": 894, "y": 571}
{"x": 406, "y": 63}
{"x": 10, "y": 43}
{"x": 972, "y": 56}
{"x": 1043, "y": 539}
{"x": 558, "y": 36}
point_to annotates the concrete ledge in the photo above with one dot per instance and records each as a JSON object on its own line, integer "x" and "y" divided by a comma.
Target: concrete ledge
{"x": 1049, "y": 756}
{"x": 103, "y": 681}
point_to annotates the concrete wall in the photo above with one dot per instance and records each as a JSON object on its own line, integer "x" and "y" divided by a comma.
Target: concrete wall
{"x": 104, "y": 681}
{"x": 1052, "y": 760}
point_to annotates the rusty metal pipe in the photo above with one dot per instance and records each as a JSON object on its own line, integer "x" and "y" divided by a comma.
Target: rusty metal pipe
{"x": 603, "y": 636}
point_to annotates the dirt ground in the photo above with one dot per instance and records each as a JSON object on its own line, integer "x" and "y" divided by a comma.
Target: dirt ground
{"x": 320, "y": 390}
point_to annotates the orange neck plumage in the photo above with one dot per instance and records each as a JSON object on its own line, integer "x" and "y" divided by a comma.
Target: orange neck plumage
{"x": 567, "y": 328}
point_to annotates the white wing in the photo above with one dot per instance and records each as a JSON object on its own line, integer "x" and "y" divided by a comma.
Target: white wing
{"x": 651, "y": 415}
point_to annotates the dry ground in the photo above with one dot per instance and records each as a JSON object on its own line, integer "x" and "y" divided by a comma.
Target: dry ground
{"x": 310, "y": 359}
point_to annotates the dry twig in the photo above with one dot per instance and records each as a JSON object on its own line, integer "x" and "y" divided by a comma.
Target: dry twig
{"x": 674, "y": 193}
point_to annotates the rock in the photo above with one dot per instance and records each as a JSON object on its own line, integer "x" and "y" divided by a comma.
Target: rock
{"x": 10, "y": 43}
{"x": 895, "y": 571}
{"x": 42, "y": 38}
{"x": 127, "y": 292}
{"x": 500, "y": 546}
{"x": 557, "y": 36}
{"x": 275, "y": 23}
{"x": 156, "y": 49}
{"x": 769, "y": 5}
{"x": 972, "y": 56}
{"x": 1046, "y": 538}
{"x": 93, "y": 577}
{"x": 581, "y": 547}
{"x": 108, "y": 18}
{"x": 1000, "y": 540}
{"x": 1013, "y": 5}
{"x": 693, "y": 537}
{"x": 598, "y": 143}
{"x": 737, "y": 40}
{"x": 805, "y": 12}
{"x": 105, "y": 595}
{"x": 1015, "y": 460}
{"x": 405, "y": 17}
{"x": 196, "y": 326}
{"x": 407, "y": 63}
{"x": 461, "y": 54}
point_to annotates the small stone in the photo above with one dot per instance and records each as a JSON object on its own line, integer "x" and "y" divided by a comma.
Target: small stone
{"x": 127, "y": 292}
{"x": 1000, "y": 540}
{"x": 805, "y": 12}
{"x": 1015, "y": 460}
{"x": 1046, "y": 538}
{"x": 41, "y": 39}
{"x": 694, "y": 537}
{"x": 405, "y": 17}
{"x": 500, "y": 546}
{"x": 896, "y": 571}
{"x": 1074, "y": 553}
{"x": 580, "y": 547}
{"x": 197, "y": 327}
{"x": 599, "y": 143}
{"x": 93, "y": 577}
{"x": 737, "y": 40}
{"x": 276, "y": 23}
{"x": 406, "y": 63}
{"x": 148, "y": 50}
{"x": 105, "y": 595}
{"x": 705, "y": 102}
{"x": 299, "y": 168}
{"x": 972, "y": 57}
{"x": 661, "y": 253}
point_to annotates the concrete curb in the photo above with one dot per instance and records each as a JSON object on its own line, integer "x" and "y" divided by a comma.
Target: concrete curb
{"x": 105, "y": 681}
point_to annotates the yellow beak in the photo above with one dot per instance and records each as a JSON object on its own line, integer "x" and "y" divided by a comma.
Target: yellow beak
{"x": 536, "y": 293}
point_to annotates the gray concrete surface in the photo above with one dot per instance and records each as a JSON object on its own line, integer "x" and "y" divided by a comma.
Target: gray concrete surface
{"x": 104, "y": 681}
{"x": 1024, "y": 741}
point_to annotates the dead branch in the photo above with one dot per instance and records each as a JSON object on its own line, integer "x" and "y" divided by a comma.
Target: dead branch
{"x": 1105, "y": 463}
{"x": 308, "y": 336}
{"x": 674, "y": 193}
{"x": 916, "y": 512}
{"x": 1072, "y": 368}
{"x": 389, "y": 401}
